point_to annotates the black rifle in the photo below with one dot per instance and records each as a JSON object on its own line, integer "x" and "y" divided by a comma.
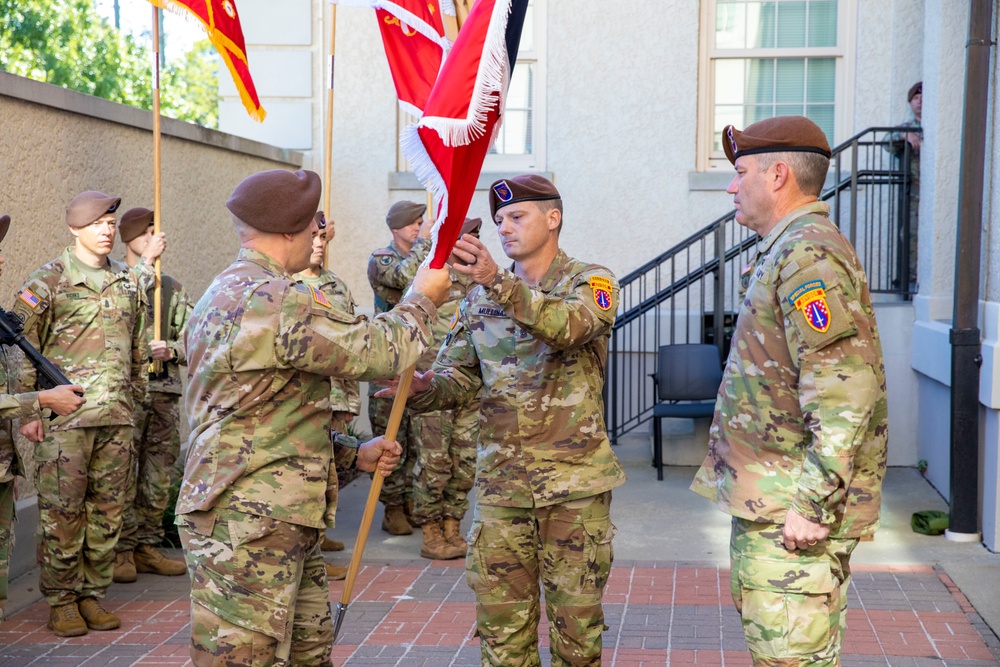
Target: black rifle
{"x": 12, "y": 333}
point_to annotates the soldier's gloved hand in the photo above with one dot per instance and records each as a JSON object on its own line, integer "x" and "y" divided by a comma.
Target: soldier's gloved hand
{"x": 62, "y": 400}
{"x": 432, "y": 283}
{"x": 381, "y": 453}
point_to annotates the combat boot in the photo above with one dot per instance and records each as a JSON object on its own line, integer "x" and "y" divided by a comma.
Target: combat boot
{"x": 331, "y": 545}
{"x": 335, "y": 572}
{"x": 149, "y": 559}
{"x": 96, "y": 616}
{"x": 65, "y": 621}
{"x": 124, "y": 568}
{"x": 435, "y": 546}
{"x": 452, "y": 534}
{"x": 394, "y": 522}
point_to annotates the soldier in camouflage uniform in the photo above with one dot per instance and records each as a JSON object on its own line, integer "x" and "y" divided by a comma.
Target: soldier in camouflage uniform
{"x": 157, "y": 434}
{"x": 897, "y": 145}
{"x": 797, "y": 449}
{"x": 390, "y": 271}
{"x": 445, "y": 442}
{"x": 258, "y": 486}
{"x": 534, "y": 338}
{"x": 27, "y": 407}
{"x": 345, "y": 395}
{"x": 87, "y": 314}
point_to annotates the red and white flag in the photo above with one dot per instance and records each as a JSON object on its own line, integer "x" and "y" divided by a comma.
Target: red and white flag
{"x": 462, "y": 115}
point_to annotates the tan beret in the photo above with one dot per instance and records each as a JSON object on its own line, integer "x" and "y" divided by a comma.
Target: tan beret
{"x": 89, "y": 206}
{"x": 782, "y": 134}
{"x": 134, "y": 223}
{"x": 404, "y": 213}
{"x": 915, "y": 89}
{"x": 471, "y": 226}
{"x": 4, "y": 225}
{"x": 527, "y": 187}
{"x": 277, "y": 201}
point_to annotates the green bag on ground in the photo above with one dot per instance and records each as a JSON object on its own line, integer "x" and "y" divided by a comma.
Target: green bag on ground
{"x": 929, "y": 522}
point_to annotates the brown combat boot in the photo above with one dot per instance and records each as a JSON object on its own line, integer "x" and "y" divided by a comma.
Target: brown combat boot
{"x": 335, "y": 572}
{"x": 453, "y": 535}
{"x": 394, "y": 522}
{"x": 149, "y": 559}
{"x": 124, "y": 568}
{"x": 435, "y": 546}
{"x": 65, "y": 621}
{"x": 96, "y": 616}
{"x": 331, "y": 545}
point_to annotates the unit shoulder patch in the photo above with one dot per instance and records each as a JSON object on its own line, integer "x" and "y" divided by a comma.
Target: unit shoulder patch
{"x": 810, "y": 298}
{"x": 601, "y": 287}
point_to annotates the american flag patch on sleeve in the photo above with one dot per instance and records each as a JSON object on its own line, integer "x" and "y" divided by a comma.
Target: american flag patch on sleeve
{"x": 29, "y": 298}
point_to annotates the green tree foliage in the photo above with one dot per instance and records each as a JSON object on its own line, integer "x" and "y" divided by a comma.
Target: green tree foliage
{"x": 66, "y": 43}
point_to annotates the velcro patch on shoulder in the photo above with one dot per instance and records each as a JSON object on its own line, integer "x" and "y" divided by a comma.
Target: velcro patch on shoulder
{"x": 30, "y": 298}
{"x": 601, "y": 285}
{"x": 320, "y": 298}
{"x": 810, "y": 298}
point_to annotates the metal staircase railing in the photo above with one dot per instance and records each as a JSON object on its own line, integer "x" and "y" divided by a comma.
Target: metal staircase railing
{"x": 691, "y": 292}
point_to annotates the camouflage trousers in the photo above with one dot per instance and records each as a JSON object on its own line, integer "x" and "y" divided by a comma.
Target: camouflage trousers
{"x": 397, "y": 488}
{"x": 793, "y": 603}
{"x": 567, "y": 546}
{"x": 157, "y": 441}
{"x": 81, "y": 475}
{"x": 446, "y": 463}
{"x": 6, "y": 538}
{"x": 259, "y": 592}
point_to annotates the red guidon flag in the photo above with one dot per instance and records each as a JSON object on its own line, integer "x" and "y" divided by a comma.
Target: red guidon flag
{"x": 447, "y": 147}
{"x": 415, "y": 45}
{"x": 222, "y": 23}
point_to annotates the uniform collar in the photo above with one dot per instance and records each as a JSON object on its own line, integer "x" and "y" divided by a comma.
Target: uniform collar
{"x": 75, "y": 274}
{"x": 815, "y": 207}
{"x": 266, "y": 262}
{"x": 555, "y": 272}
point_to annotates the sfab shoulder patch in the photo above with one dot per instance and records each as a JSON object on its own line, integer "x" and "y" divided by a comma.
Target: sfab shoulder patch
{"x": 602, "y": 291}
{"x": 810, "y": 298}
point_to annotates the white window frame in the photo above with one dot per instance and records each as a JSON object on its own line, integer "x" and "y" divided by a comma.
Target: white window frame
{"x": 843, "y": 54}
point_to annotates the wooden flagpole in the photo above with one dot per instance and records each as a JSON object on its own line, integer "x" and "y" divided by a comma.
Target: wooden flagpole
{"x": 156, "y": 366}
{"x": 328, "y": 145}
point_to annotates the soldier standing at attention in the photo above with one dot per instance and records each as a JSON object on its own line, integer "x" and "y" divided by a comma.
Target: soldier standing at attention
{"x": 254, "y": 499}
{"x": 27, "y": 407}
{"x": 535, "y": 338}
{"x": 797, "y": 449}
{"x": 157, "y": 434}
{"x": 87, "y": 314}
{"x": 345, "y": 395}
{"x": 390, "y": 271}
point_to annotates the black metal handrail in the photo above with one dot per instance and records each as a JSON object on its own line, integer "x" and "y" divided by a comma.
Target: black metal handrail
{"x": 688, "y": 294}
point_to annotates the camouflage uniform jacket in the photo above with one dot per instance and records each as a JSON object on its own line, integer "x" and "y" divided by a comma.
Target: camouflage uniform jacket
{"x": 261, "y": 348}
{"x": 345, "y": 395}
{"x": 539, "y": 354}
{"x": 447, "y": 315}
{"x": 897, "y": 146}
{"x": 801, "y": 420}
{"x": 95, "y": 334}
{"x": 174, "y": 319}
{"x": 13, "y": 406}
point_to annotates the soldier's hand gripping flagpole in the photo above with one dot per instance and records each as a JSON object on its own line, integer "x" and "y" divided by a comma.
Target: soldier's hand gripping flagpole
{"x": 391, "y": 430}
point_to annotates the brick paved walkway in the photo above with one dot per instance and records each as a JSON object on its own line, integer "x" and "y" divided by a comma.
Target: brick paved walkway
{"x": 659, "y": 613}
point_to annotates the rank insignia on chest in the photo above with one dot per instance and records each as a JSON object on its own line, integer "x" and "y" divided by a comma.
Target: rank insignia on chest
{"x": 810, "y": 298}
{"x": 29, "y": 298}
{"x": 320, "y": 298}
{"x": 745, "y": 275}
{"x": 602, "y": 291}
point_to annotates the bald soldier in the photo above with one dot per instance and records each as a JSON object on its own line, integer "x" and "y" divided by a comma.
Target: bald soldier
{"x": 390, "y": 271}
{"x": 534, "y": 338}
{"x": 87, "y": 314}
{"x": 62, "y": 400}
{"x": 156, "y": 435}
{"x": 256, "y": 493}
{"x": 797, "y": 449}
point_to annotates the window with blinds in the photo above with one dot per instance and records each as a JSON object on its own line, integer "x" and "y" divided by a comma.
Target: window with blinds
{"x": 767, "y": 58}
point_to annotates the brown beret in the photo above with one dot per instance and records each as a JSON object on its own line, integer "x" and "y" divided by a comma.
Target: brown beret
{"x": 404, "y": 213}
{"x": 4, "y": 225}
{"x": 526, "y": 187}
{"x": 89, "y": 206}
{"x": 782, "y": 134}
{"x": 915, "y": 89}
{"x": 471, "y": 226}
{"x": 134, "y": 223}
{"x": 277, "y": 201}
